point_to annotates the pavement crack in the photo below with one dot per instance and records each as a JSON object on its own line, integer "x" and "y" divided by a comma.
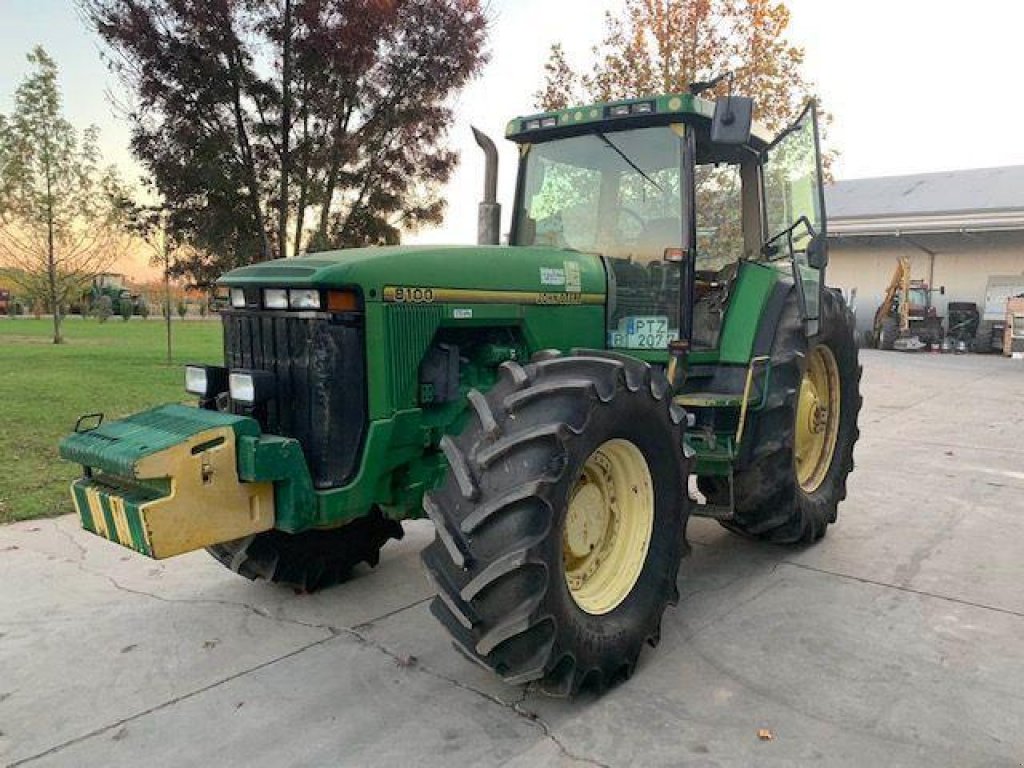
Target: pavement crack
{"x": 165, "y": 704}
{"x": 255, "y": 610}
{"x": 389, "y": 614}
{"x": 82, "y": 551}
{"x": 516, "y": 706}
{"x": 911, "y": 590}
{"x": 772, "y": 583}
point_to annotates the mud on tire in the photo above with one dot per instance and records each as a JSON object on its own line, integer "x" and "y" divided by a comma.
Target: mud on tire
{"x": 497, "y": 558}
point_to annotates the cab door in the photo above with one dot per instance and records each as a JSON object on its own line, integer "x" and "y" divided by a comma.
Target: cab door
{"x": 794, "y": 208}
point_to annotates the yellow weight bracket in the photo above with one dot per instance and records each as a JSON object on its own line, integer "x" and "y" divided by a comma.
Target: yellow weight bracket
{"x": 205, "y": 503}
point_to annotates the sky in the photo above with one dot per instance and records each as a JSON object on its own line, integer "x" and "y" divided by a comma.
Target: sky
{"x": 913, "y": 85}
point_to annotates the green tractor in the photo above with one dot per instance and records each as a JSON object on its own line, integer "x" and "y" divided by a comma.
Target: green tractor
{"x": 658, "y": 329}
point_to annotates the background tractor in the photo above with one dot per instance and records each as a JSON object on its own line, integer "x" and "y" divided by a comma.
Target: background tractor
{"x": 660, "y": 313}
{"x": 110, "y": 286}
{"x": 906, "y": 319}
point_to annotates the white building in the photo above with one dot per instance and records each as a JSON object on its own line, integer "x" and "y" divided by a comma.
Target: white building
{"x": 960, "y": 229}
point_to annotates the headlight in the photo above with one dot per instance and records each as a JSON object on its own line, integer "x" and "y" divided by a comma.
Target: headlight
{"x": 304, "y": 298}
{"x": 251, "y": 387}
{"x": 237, "y": 298}
{"x": 206, "y": 381}
{"x": 275, "y": 298}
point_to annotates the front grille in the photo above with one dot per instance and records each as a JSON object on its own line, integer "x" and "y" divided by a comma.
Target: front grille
{"x": 320, "y": 370}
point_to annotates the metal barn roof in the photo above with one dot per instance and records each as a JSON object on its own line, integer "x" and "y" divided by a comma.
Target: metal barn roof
{"x": 978, "y": 200}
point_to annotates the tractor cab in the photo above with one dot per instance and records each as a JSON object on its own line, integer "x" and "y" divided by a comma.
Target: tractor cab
{"x": 710, "y": 232}
{"x": 676, "y": 194}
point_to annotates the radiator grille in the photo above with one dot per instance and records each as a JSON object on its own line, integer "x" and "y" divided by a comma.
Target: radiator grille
{"x": 318, "y": 364}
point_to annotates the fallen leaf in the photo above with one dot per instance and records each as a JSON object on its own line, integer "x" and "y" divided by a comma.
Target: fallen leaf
{"x": 765, "y": 734}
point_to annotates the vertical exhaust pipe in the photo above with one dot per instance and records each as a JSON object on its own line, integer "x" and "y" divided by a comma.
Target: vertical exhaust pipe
{"x": 489, "y": 214}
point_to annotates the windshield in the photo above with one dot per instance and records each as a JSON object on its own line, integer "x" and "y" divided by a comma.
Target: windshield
{"x": 618, "y": 194}
{"x": 918, "y": 297}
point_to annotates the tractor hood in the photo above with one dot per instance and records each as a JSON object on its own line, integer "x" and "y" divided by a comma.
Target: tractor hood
{"x": 380, "y": 272}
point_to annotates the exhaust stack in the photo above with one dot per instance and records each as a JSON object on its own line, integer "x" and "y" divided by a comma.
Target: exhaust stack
{"x": 489, "y": 214}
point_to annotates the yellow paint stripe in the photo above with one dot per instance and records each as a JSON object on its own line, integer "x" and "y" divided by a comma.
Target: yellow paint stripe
{"x": 124, "y": 533}
{"x": 99, "y": 520}
{"x": 399, "y": 294}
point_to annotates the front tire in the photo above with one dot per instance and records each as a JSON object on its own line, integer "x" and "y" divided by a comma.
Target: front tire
{"x": 310, "y": 560}
{"x": 561, "y": 523}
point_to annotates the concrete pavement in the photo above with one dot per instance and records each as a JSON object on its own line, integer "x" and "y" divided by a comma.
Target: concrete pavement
{"x": 898, "y": 640}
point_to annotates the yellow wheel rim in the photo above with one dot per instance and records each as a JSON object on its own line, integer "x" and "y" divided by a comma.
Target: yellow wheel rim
{"x": 817, "y": 419}
{"x": 608, "y": 527}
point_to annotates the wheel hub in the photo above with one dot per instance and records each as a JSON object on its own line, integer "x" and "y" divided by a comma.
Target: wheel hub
{"x": 817, "y": 419}
{"x": 588, "y": 519}
{"x": 608, "y": 526}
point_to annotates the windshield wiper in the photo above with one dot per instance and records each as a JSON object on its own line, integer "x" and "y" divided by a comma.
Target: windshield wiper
{"x": 631, "y": 164}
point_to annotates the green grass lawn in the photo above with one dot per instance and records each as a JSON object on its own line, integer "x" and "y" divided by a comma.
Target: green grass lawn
{"x": 115, "y": 368}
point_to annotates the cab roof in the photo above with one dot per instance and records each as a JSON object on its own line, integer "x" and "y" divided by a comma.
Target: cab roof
{"x": 646, "y": 111}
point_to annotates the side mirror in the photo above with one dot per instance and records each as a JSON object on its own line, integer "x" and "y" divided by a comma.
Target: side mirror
{"x": 817, "y": 252}
{"x": 733, "y": 120}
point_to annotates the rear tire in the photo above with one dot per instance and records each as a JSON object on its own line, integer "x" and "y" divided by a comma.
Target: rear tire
{"x": 311, "y": 560}
{"x": 505, "y": 551}
{"x": 771, "y": 502}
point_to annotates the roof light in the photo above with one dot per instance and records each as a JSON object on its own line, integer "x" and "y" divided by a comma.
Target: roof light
{"x": 643, "y": 108}
{"x": 531, "y": 125}
{"x": 237, "y": 298}
{"x": 619, "y": 110}
{"x": 549, "y": 122}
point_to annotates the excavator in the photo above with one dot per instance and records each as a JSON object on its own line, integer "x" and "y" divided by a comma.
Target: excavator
{"x": 906, "y": 319}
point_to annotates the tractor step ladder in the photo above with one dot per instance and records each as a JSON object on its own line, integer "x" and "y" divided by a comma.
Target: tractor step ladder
{"x": 718, "y": 511}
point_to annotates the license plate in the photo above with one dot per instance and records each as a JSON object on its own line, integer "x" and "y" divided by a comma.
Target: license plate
{"x": 642, "y": 333}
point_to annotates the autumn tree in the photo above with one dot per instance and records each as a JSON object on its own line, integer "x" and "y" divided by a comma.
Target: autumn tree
{"x": 662, "y": 46}
{"x": 60, "y": 210}
{"x": 270, "y": 127}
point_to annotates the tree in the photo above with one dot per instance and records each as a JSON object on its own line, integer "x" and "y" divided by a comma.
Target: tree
{"x": 662, "y": 46}
{"x": 60, "y": 211}
{"x": 273, "y": 126}
{"x": 148, "y": 224}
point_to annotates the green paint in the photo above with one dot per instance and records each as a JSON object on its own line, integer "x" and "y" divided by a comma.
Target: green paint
{"x": 753, "y": 287}
{"x": 116, "y": 447}
{"x": 279, "y": 460}
{"x": 133, "y": 498}
{"x": 478, "y": 267}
